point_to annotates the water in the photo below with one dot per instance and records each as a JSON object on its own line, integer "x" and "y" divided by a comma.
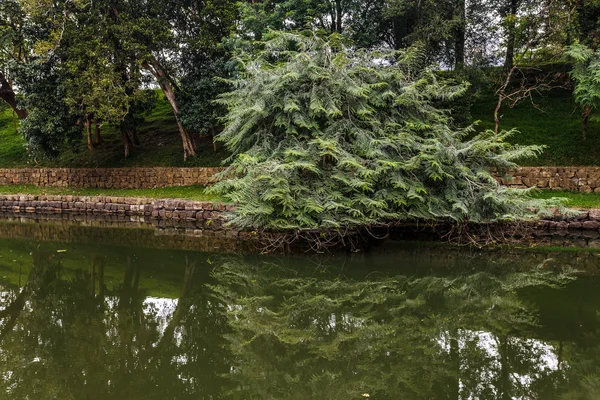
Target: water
{"x": 121, "y": 313}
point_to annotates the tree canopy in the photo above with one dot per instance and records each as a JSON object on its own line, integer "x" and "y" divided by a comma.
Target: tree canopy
{"x": 106, "y": 53}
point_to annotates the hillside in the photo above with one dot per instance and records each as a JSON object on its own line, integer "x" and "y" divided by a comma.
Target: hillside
{"x": 160, "y": 145}
{"x": 556, "y": 125}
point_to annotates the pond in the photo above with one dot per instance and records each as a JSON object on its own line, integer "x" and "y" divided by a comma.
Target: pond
{"x": 123, "y": 313}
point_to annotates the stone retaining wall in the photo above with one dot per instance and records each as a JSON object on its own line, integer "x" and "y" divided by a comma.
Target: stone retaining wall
{"x": 582, "y": 179}
{"x": 588, "y": 220}
{"x": 209, "y": 215}
{"x": 109, "y": 178}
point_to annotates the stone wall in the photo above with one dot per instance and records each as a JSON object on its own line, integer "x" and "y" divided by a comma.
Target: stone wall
{"x": 208, "y": 215}
{"x": 109, "y": 178}
{"x": 582, "y": 220}
{"x": 582, "y": 179}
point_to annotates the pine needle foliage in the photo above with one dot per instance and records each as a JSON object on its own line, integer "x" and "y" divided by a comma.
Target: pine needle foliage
{"x": 328, "y": 136}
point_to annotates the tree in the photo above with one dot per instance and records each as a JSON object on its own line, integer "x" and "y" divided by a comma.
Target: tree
{"x": 50, "y": 123}
{"x": 105, "y": 49}
{"x": 362, "y": 21}
{"x": 103, "y": 84}
{"x": 586, "y": 74}
{"x": 13, "y": 48}
{"x": 326, "y": 137}
{"x": 164, "y": 34}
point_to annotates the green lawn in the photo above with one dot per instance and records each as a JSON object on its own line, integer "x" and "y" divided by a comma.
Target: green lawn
{"x": 557, "y": 125}
{"x": 13, "y": 152}
{"x": 160, "y": 145}
{"x": 197, "y": 193}
{"x": 575, "y": 199}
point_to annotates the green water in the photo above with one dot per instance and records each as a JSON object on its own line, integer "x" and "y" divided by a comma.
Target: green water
{"x": 84, "y": 320}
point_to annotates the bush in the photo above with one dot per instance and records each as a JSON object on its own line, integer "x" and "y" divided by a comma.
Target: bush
{"x": 325, "y": 136}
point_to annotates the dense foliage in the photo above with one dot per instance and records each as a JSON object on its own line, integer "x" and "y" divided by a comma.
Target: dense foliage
{"x": 327, "y": 136}
{"x": 106, "y": 52}
{"x": 586, "y": 74}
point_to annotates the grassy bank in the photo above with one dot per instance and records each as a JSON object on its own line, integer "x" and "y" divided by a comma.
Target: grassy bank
{"x": 555, "y": 124}
{"x": 575, "y": 199}
{"x": 196, "y": 193}
{"x": 160, "y": 146}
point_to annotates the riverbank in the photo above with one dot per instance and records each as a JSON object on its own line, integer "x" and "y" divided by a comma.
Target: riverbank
{"x": 202, "y": 218}
{"x": 210, "y": 214}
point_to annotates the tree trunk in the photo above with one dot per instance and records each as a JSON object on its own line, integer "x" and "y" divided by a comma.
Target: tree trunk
{"x": 338, "y": 15}
{"x": 459, "y": 36}
{"x": 511, "y": 15}
{"x": 128, "y": 145}
{"x": 134, "y": 137}
{"x": 189, "y": 150}
{"x": 88, "y": 129}
{"x": 8, "y": 95}
{"x": 97, "y": 137}
{"x": 212, "y": 134}
{"x": 398, "y": 33}
{"x": 585, "y": 116}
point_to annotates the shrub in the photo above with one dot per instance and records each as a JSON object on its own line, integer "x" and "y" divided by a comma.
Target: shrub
{"x": 327, "y": 136}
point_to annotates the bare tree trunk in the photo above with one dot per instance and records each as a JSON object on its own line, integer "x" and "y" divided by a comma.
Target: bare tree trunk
{"x": 128, "y": 145}
{"x": 339, "y": 14}
{"x": 585, "y": 116}
{"x": 510, "y": 37}
{"x": 189, "y": 150}
{"x": 15, "y": 124}
{"x": 212, "y": 134}
{"x": 97, "y": 136}
{"x": 134, "y": 137}
{"x": 8, "y": 95}
{"x": 459, "y": 36}
{"x": 88, "y": 128}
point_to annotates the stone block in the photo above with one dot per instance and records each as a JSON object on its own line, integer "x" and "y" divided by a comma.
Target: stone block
{"x": 575, "y": 225}
{"x": 594, "y": 214}
{"x": 563, "y": 225}
{"x": 590, "y": 225}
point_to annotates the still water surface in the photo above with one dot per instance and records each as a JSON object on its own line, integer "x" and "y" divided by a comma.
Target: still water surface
{"x": 86, "y": 320}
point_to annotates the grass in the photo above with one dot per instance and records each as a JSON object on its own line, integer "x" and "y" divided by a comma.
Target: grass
{"x": 196, "y": 193}
{"x": 160, "y": 146}
{"x": 556, "y": 125}
{"x": 575, "y": 199}
{"x": 12, "y": 146}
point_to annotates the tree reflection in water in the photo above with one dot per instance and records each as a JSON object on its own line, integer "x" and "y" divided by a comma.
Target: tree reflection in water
{"x": 250, "y": 328}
